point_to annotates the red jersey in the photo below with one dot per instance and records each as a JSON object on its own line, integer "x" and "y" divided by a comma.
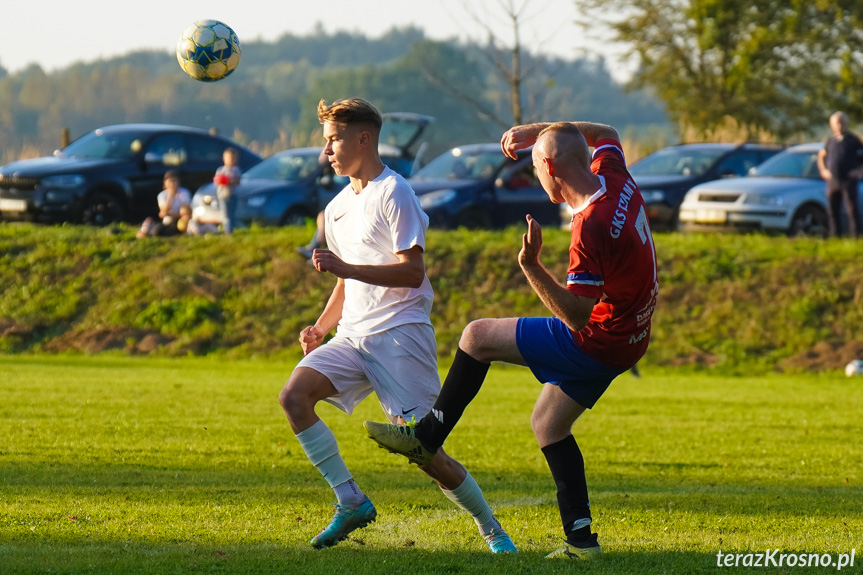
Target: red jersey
{"x": 612, "y": 259}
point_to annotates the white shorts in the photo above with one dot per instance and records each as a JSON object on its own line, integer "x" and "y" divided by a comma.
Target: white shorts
{"x": 399, "y": 365}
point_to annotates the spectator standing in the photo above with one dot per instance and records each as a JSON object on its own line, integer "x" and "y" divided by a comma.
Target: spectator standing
{"x": 226, "y": 179}
{"x": 840, "y": 164}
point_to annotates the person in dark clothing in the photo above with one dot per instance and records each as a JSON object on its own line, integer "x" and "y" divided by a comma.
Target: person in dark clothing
{"x": 840, "y": 164}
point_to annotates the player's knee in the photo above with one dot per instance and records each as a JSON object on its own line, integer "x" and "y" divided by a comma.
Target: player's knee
{"x": 537, "y": 423}
{"x": 547, "y": 429}
{"x": 472, "y": 338}
{"x": 285, "y": 397}
{"x": 293, "y": 397}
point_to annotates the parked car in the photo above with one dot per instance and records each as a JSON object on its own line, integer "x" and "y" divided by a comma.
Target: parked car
{"x": 476, "y": 186}
{"x": 784, "y": 194}
{"x": 112, "y": 174}
{"x": 666, "y": 175}
{"x": 400, "y": 134}
{"x": 296, "y": 184}
{"x": 284, "y": 189}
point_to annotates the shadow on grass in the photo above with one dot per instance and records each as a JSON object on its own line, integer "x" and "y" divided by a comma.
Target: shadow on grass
{"x": 385, "y": 484}
{"x": 350, "y": 557}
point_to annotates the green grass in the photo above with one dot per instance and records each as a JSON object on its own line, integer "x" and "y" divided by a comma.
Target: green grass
{"x": 157, "y": 466}
{"x": 729, "y": 304}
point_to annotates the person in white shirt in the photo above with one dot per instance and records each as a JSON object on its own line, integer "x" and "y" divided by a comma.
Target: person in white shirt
{"x": 171, "y": 202}
{"x": 380, "y": 307}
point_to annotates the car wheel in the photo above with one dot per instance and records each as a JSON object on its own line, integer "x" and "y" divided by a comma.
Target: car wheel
{"x": 294, "y": 217}
{"x": 473, "y": 219}
{"x": 101, "y": 209}
{"x": 809, "y": 221}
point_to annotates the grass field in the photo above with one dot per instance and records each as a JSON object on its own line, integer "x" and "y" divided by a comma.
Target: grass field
{"x": 132, "y": 465}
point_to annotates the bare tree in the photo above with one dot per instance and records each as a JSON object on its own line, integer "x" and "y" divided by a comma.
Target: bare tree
{"x": 502, "y": 24}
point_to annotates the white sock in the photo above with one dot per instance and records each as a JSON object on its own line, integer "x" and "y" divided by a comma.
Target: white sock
{"x": 579, "y": 523}
{"x": 321, "y": 448}
{"x": 349, "y": 493}
{"x": 469, "y": 497}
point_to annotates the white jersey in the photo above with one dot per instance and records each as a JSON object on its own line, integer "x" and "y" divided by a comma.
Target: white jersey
{"x": 368, "y": 229}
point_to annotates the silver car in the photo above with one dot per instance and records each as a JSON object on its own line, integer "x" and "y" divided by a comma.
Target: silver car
{"x": 784, "y": 194}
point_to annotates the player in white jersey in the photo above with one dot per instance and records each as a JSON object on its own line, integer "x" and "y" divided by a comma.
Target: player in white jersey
{"x": 380, "y": 307}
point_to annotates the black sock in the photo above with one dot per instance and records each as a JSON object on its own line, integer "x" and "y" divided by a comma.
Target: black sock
{"x": 579, "y": 536}
{"x": 567, "y": 469}
{"x": 462, "y": 383}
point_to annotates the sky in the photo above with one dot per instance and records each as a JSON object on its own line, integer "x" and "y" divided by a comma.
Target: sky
{"x": 57, "y": 33}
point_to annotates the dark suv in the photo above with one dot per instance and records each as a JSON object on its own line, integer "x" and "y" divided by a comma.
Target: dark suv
{"x": 476, "y": 186}
{"x": 666, "y": 175}
{"x": 112, "y": 174}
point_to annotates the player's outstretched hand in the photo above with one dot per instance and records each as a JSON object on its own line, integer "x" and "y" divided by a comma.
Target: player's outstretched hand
{"x": 518, "y": 138}
{"x": 327, "y": 261}
{"x": 531, "y": 244}
{"x": 310, "y": 338}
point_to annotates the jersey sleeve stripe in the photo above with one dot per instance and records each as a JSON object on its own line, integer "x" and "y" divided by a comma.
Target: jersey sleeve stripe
{"x": 608, "y": 146}
{"x": 584, "y": 279}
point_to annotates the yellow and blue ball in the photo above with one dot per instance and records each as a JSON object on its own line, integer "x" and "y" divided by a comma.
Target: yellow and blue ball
{"x": 208, "y": 50}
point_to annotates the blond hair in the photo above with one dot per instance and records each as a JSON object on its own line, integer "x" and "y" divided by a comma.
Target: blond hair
{"x": 350, "y": 111}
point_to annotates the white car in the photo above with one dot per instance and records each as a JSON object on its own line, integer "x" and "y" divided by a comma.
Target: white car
{"x": 784, "y": 194}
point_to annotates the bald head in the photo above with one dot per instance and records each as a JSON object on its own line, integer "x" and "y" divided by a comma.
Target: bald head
{"x": 838, "y": 122}
{"x": 563, "y": 143}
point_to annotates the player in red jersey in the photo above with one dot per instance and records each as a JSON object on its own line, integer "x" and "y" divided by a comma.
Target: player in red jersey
{"x": 601, "y": 323}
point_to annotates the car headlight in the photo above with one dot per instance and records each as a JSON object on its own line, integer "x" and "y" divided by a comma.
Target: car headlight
{"x": 256, "y": 201}
{"x": 764, "y": 199}
{"x": 63, "y": 181}
{"x": 435, "y": 199}
{"x": 653, "y": 196}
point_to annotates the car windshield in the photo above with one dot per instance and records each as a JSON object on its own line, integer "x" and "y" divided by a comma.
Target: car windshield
{"x": 790, "y": 164}
{"x": 463, "y": 164}
{"x": 100, "y": 144}
{"x": 677, "y": 161}
{"x": 288, "y": 167}
{"x": 397, "y": 132}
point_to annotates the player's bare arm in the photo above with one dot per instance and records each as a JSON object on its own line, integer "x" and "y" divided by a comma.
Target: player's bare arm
{"x": 822, "y": 165}
{"x": 572, "y": 309}
{"x": 408, "y": 272}
{"x": 594, "y": 132}
{"x": 313, "y": 336}
{"x": 520, "y": 137}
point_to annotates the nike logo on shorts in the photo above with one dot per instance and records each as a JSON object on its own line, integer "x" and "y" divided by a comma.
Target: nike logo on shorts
{"x": 406, "y": 411}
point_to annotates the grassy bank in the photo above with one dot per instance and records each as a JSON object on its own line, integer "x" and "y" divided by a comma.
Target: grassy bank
{"x": 160, "y": 466}
{"x": 735, "y": 304}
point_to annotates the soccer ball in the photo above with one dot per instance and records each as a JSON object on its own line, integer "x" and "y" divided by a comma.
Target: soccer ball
{"x": 854, "y": 367}
{"x": 208, "y": 50}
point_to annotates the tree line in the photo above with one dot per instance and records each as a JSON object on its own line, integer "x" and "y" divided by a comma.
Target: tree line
{"x": 766, "y": 66}
{"x": 704, "y": 70}
{"x": 270, "y": 100}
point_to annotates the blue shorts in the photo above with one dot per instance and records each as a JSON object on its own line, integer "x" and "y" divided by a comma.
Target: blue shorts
{"x": 551, "y": 353}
